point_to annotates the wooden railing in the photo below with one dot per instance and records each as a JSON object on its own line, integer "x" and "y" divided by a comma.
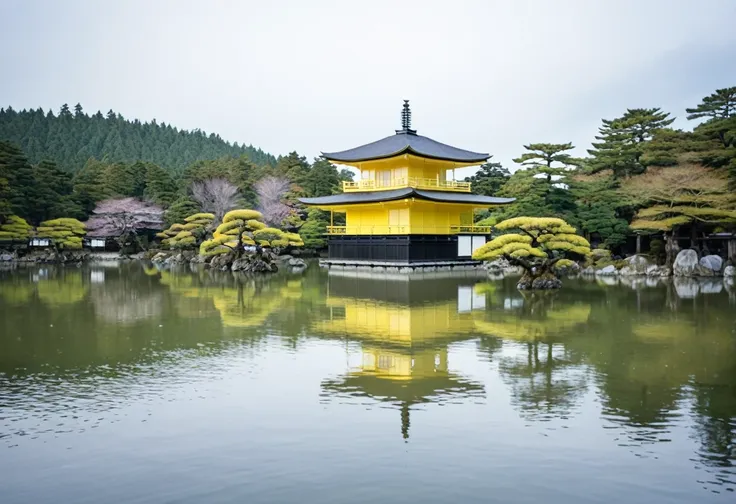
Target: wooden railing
{"x": 389, "y": 230}
{"x": 470, "y": 229}
{"x": 402, "y": 182}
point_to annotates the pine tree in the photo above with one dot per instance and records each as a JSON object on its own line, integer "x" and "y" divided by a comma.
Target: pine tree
{"x": 22, "y": 192}
{"x": 545, "y": 155}
{"x": 489, "y": 179}
{"x": 622, "y": 141}
{"x": 160, "y": 186}
{"x": 78, "y": 112}
{"x": 90, "y": 184}
{"x": 55, "y": 194}
{"x": 314, "y": 228}
{"x": 323, "y": 179}
{"x": 719, "y": 105}
{"x": 180, "y": 210}
{"x": 64, "y": 112}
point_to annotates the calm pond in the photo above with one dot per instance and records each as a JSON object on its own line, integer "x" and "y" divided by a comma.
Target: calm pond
{"x": 128, "y": 384}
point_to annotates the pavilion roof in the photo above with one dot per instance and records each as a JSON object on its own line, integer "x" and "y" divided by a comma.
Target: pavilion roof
{"x": 408, "y": 192}
{"x": 406, "y": 141}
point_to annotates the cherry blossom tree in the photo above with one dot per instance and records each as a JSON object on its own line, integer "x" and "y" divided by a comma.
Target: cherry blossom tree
{"x": 124, "y": 218}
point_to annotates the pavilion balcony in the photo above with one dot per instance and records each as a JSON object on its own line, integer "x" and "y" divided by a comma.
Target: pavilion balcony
{"x": 400, "y": 230}
{"x": 400, "y": 183}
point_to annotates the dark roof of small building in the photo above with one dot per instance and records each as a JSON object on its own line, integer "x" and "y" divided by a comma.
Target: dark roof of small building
{"x": 406, "y": 141}
{"x": 408, "y": 192}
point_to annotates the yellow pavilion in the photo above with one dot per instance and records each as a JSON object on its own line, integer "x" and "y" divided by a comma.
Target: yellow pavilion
{"x": 406, "y": 206}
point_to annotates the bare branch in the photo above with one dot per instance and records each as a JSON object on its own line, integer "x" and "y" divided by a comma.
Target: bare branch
{"x": 271, "y": 191}
{"x": 215, "y": 195}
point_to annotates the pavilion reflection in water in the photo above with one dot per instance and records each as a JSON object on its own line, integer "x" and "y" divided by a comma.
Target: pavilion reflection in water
{"x": 405, "y": 326}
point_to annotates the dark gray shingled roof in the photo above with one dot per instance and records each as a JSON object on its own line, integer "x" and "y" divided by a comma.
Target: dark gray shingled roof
{"x": 396, "y": 194}
{"x": 407, "y": 142}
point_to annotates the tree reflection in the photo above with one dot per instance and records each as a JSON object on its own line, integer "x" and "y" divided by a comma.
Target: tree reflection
{"x": 546, "y": 378}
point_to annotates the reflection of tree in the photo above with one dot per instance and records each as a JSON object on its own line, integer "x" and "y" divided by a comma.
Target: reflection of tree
{"x": 123, "y": 299}
{"x": 240, "y": 300}
{"x": 63, "y": 287}
{"x": 545, "y": 378}
{"x": 654, "y": 357}
{"x": 715, "y": 429}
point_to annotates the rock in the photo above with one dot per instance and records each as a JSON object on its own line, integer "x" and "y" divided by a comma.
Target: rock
{"x": 609, "y": 270}
{"x": 198, "y": 259}
{"x": 159, "y": 258}
{"x": 636, "y": 265}
{"x": 242, "y": 264}
{"x": 712, "y": 262}
{"x": 297, "y": 263}
{"x": 658, "y": 271}
{"x": 254, "y": 264}
{"x": 503, "y": 266}
{"x": 729, "y": 271}
{"x": 589, "y": 271}
{"x": 687, "y": 265}
{"x": 284, "y": 258}
{"x": 5, "y": 257}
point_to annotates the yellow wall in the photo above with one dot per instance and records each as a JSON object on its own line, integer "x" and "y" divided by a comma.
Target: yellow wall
{"x": 390, "y": 171}
{"x": 406, "y": 217}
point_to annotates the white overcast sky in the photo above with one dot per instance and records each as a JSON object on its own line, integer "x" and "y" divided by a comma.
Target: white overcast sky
{"x": 317, "y": 76}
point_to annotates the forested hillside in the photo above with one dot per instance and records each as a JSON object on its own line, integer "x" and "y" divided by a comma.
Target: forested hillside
{"x": 72, "y": 137}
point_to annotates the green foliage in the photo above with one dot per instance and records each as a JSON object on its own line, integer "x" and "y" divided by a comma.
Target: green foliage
{"x": 657, "y": 250}
{"x": 187, "y": 234}
{"x": 538, "y": 193}
{"x": 600, "y": 209}
{"x": 314, "y": 228}
{"x": 544, "y": 155}
{"x": 540, "y": 238}
{"x": 179, "y": 210}
{"x": 159, "y": 186}
{"x": 22, "y": 191}
{"x": 71, "y": 139}
{"x": 322, "y": 179}
{"x": 621, "y": 141}
{"x": 489, "y": 179}
{"x": 242, "y": 214}
{"x": 64, "y": 233}
{"x": 719, "y": 105}
{"x": 15, "y": 229}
